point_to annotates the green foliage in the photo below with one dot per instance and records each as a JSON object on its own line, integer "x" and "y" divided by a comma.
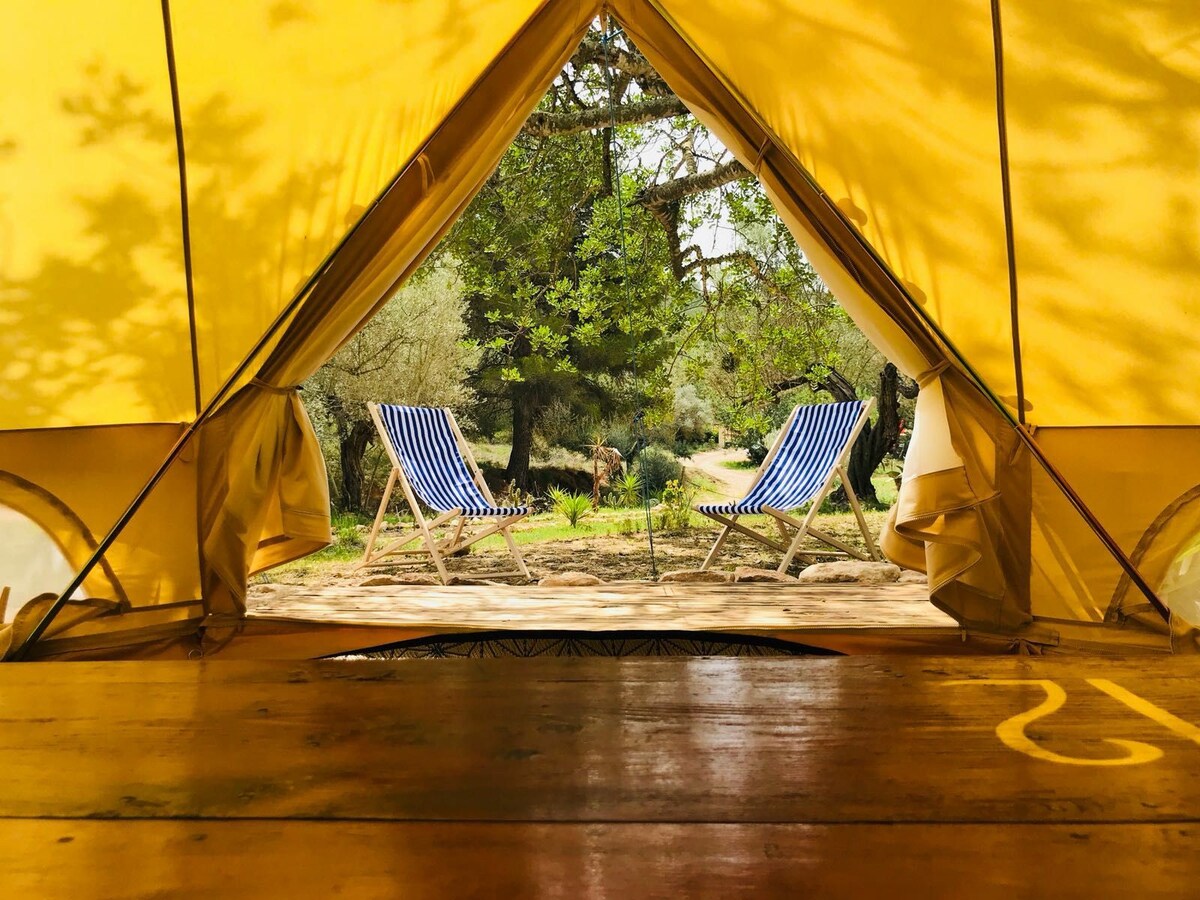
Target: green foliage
{"x": 626, "y": 490}
{"x": 692, "y": 415}
{"x": 770, "y": 326}
{"x": 414, "y": 351}
{"x": 512, "y": 495}
{"x": 677, "y": 499}
{"x": 656, "y": 467}
{"x": 573, "y": 507}
{"x": 624, "y": 438}
{"x": 561, "y": 318}
{"x": 752, "y": 439}
{"x": 561, "y": 425}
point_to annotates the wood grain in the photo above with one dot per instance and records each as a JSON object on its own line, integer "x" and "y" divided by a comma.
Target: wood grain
{"x": 814, "y": 740}
{"x": 612, "y": 607}
{"x": 204, "y": 859}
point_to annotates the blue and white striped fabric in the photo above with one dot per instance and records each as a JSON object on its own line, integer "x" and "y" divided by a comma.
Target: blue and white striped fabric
{"x": 436, "y": 470}
{"x": 807, "y": 452}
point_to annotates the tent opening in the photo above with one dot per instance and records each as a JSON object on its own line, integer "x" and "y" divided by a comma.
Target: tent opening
{"x": 213, "y": 235}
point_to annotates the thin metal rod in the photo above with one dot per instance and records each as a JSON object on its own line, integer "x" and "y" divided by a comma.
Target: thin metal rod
{"x": 186, "y": 228}
{"x": 1006, "y": 192}
{"x": 638, "y": 419}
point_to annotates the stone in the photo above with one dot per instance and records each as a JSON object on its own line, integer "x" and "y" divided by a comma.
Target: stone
{"x": 851, "y": 571}
{"x": 270, "y": 591}
{"x": 908, "y": 576}
{"x": 570, "y": 579}
{"x": 695, "y": 576}
{"x": 749, "y": 574}
{"x": 389, "y": 580}
{"x": 483, "y": 578}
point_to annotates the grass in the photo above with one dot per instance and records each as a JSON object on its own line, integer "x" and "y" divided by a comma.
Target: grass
{"x": 350, "y": 530}
{"x": 738, "y": 464}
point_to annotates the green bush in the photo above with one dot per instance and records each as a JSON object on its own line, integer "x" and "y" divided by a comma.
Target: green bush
{"x": 573, "y": 507}
{"x": 624, "y": 438}
{"x": 626, "y": 490}
{"x": 677, "y": 498}
{"x": 656, "y": 467}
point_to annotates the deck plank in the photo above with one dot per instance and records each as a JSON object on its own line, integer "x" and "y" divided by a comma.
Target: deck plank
{"x": 612, "y": 607}
{"x": 204, "y": 859}
{"x": 811, "y": 740}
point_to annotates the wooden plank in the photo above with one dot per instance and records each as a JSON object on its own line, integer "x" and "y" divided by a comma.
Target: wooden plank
{"x": 814, "y": 740}
{"x": 207, "y": 859}
{"x": 616, "y": 607}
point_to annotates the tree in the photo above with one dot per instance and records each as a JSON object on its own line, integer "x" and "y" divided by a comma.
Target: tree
{"x": 766, "y": 320}
{"x": 413, "y": 351}
{"x": 562, "y": 309}
{"x": 771, "y": 330}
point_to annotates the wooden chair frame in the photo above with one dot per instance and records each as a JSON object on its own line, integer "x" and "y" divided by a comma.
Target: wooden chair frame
{"x": 789, "y": 542}
{"x": 423, "y": 527}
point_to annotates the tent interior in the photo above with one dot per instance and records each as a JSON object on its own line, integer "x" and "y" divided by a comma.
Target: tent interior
{"x": 1001, "y": 196}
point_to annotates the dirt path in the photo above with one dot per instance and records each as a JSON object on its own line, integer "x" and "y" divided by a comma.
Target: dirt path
{"x": 734, "y": 483}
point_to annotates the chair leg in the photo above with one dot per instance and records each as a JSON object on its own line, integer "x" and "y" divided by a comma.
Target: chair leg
{"x": 435, "y": 554}
{"x": 452, "y": 545}
{"x": 516, "y": 554}
{"x": 858, "y": 514}
{"x": 802, "y": 531}
{"x": 717, "y": 547}
{"x": 383, "y": 505}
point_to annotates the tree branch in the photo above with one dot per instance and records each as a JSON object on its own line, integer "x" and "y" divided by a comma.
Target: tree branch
{"x": 678, "y": 188}
{"x": 546, "y": 124}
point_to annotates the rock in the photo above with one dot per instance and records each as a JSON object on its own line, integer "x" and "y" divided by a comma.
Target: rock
{"x": 387, "y": 580}
{"x": 695, "y": 576}
{"x": 483, "y": 578}
{"x": 910, "y": 577}
{"x": 268, "y": 591}
{"x": 570, "y": 579}
{"x": 749, "y": 574}
{"x": 851, "y": 571}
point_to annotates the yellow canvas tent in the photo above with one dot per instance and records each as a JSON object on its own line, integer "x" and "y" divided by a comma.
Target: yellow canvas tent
{"x": 200, "y": 202}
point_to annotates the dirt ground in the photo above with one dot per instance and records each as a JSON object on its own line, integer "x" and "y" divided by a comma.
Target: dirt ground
{"x": 613, "y": 557}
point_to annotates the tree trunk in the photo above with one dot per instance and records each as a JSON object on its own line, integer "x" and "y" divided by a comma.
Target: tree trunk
{"x": 523, "y": 413}
{"x": 352, "y": 447}
{"x": 876, "y": 439}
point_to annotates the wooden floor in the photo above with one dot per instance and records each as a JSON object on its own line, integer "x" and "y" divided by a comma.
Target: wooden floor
{"x": 867, "y": 776}
{"x": 822, "y": 613}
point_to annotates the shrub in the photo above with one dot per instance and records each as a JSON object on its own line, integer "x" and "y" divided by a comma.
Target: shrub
{"x": 626, "y": 490}
{"x": 624, "y": 439}
{"x": 511, "y": 495}
{"x": 573, "y": 507}
{"x": 677, "y": 497}
{"x": 753, "y": 441}
{"x": 656, "y": 467}
{"x": 692, "y": 414}
{"x": 562, "y": 426}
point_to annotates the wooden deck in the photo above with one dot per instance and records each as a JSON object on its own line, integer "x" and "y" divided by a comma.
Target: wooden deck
{"x": 824, "y": 615}
{"x": 900, "y": 777}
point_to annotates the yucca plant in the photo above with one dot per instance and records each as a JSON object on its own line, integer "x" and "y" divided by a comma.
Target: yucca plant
{"x": 573, "y": 507}
{"x": 626, "y": 490}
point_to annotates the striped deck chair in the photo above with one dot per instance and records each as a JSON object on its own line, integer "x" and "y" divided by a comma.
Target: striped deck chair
{"x": 433, "y": 464}
{"x": 812, "y": 450}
